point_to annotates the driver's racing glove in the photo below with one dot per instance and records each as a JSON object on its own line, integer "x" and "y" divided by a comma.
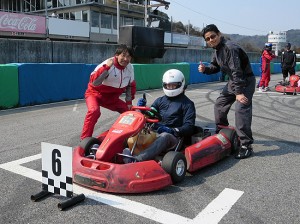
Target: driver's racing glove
{"x": 172, "y": 131}
{"x": 141, "y": 102}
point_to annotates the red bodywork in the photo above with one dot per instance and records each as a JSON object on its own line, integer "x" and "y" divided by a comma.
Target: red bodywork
{"x": 292, "y": 88}
{"x": 108, "y": 173}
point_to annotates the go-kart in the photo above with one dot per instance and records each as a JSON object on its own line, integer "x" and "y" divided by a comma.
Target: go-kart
{"x": 98, "y": 163}
{"x": 291, "y": 87}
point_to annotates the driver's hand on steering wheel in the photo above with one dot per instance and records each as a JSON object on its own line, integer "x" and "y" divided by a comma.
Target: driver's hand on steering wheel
{"x": 141, "y": 102}
{"x": 163, "y": 128}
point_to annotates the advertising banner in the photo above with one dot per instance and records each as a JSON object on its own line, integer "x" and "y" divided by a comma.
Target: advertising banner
{"x": 22, "y": 23}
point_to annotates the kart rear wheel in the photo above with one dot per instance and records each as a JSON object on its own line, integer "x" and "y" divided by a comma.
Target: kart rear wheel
{"x": 87, "y": 144}
{"x": 233, "y": 138}
{"x": 174, "y": 163}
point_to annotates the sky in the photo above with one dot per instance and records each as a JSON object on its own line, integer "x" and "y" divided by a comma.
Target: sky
{"x": 244, "y": 17}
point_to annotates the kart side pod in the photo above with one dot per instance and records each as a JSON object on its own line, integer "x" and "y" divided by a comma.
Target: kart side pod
{"x": 207, "y": 151}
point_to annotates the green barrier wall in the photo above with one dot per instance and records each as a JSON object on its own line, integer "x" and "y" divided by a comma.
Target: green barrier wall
{"x": 297, "y": 66}
{"x": 149, "y": 76}
{"x": 9, "y": 86}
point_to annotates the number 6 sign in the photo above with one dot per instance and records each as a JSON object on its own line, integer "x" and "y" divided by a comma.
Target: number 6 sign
{"x": 57, "y": 169}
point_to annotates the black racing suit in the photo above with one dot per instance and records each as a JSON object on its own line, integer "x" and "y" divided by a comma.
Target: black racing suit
{"x": 177, "y": 113}
{"x": 230, "y": 58}
{"x": 288, "y": 63}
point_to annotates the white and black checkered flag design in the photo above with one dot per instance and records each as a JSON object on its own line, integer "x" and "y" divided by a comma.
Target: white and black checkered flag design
{"x": 57, "y": 187}
{"x": 57, "y": 169}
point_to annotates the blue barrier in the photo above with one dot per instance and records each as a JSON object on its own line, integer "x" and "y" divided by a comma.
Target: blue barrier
{"x": 276, "y": 68}
{"x": 256, "y": 68}
{"x": 45, "y": 83}
{"x": 198, "y": 77}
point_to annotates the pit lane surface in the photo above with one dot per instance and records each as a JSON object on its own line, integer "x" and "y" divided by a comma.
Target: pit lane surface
{"x": 268, "y": 181}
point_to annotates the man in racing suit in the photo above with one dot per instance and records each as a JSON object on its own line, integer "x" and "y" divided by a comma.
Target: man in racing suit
{"x": 107, "y": 82}
{"x": 232, "y": 59}
{"x": 178, "y": 116}
{"x": 288, "y": 62}
{"x": 266, "y": 58}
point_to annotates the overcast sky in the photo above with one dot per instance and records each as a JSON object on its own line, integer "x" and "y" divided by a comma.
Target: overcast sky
{"x": 244, "y": 17}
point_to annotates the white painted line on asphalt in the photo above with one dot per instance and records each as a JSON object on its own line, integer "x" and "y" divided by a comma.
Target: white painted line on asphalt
{"x": 215, "y": 211}
{"x": 212, "y": 214}
{"x": 75, "y": 107}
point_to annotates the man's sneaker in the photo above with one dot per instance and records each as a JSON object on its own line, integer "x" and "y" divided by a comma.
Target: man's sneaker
{"x": 128, "y": 158}
{"x": 260, "y": 89}
{"x": 267, "y": 89}
{"x": 244, "y": 152}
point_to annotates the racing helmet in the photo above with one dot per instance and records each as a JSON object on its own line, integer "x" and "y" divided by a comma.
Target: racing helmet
{"x": 173, "y": 82}
{"x": 288, "y": 46}
{"x": 268, "y": 46}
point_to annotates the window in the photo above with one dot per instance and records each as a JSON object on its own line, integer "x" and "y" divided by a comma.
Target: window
{"x": 95, "y": 19}
{"x": 138, "y": 22}
{"x": 72, "y": 15}
{"x": 106, "y": 21}
{"x": 85, "y": 16}
{"x": 128, "y": 21}
{"x": 67, "y": 15}
{"x": 115, "y": 22}
{"x": 78, "y": 15}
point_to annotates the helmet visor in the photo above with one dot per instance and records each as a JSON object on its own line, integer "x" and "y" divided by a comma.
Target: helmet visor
{"x": 172, "y": 85}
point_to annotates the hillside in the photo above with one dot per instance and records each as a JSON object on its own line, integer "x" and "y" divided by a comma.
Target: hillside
{"x": 256, "y": 43}
{"x": 249, "y": 43}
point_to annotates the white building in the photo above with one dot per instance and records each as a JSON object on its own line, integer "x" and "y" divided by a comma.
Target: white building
{"x": 278, "y": 40}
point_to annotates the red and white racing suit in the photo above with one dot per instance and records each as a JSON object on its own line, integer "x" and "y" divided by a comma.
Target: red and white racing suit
{"x": 104, "y": 89}
{"x": 267, "y": 57}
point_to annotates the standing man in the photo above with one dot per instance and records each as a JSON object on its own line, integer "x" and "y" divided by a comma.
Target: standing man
{"x": 288, "y": 62}
{"x": 266, "y": 58}
{"x": 107, "y": 82}
{"x": 232, "y": 59}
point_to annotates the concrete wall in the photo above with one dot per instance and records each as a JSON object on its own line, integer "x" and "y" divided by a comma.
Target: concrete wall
{"x": 41, "y": 51}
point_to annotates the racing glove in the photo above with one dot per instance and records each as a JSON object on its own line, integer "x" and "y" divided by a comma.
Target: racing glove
{"x": 141, "y": 102}
{"x": 172, "y": 131}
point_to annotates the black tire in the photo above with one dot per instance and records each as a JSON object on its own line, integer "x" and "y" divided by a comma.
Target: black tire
{"x": 233, "y": 138}
{"x": 87, "y": 144}
{"x": 174, "y": 163}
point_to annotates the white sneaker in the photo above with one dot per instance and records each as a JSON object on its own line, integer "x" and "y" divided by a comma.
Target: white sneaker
{"x": 260, "y": 89}
{"x": 267, "y": 89}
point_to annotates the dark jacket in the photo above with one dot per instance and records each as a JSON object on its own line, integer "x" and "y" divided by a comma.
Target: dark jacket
{"x": 177, "y": 112}
{"x": 288, "y": 59}
{"x": 231, "y": 59}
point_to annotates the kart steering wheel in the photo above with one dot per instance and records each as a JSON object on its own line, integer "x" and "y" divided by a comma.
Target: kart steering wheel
{"x": 152, "y": 116}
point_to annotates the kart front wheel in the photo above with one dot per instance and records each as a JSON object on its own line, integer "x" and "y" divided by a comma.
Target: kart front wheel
{"x": 233, "y": 138}
{"x": 87, "y": 145}
{"x": 174, "y": 163}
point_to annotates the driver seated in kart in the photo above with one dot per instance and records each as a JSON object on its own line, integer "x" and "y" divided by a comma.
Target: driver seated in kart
{"x": 178, "y": 115}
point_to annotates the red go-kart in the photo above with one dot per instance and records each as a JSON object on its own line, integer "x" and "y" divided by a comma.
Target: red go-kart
{"x": 290, "y": 87}
{"x": 98, "y": 162}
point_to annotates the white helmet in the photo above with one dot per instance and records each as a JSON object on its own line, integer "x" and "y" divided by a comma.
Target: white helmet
{"x": 173, "y": 76}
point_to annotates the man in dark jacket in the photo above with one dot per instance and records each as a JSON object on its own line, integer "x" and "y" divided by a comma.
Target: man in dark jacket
{"x": 288, "y": 62}
{"x": 178, "y": 116}
{"x": 232, "y": 59}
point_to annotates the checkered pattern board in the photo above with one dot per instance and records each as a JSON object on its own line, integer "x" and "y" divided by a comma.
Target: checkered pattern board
{"x": 57, "y": 187}
{"x": 57, "y": 169}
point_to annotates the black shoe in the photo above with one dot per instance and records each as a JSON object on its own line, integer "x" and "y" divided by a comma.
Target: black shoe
{"x": 244, "y": 152}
